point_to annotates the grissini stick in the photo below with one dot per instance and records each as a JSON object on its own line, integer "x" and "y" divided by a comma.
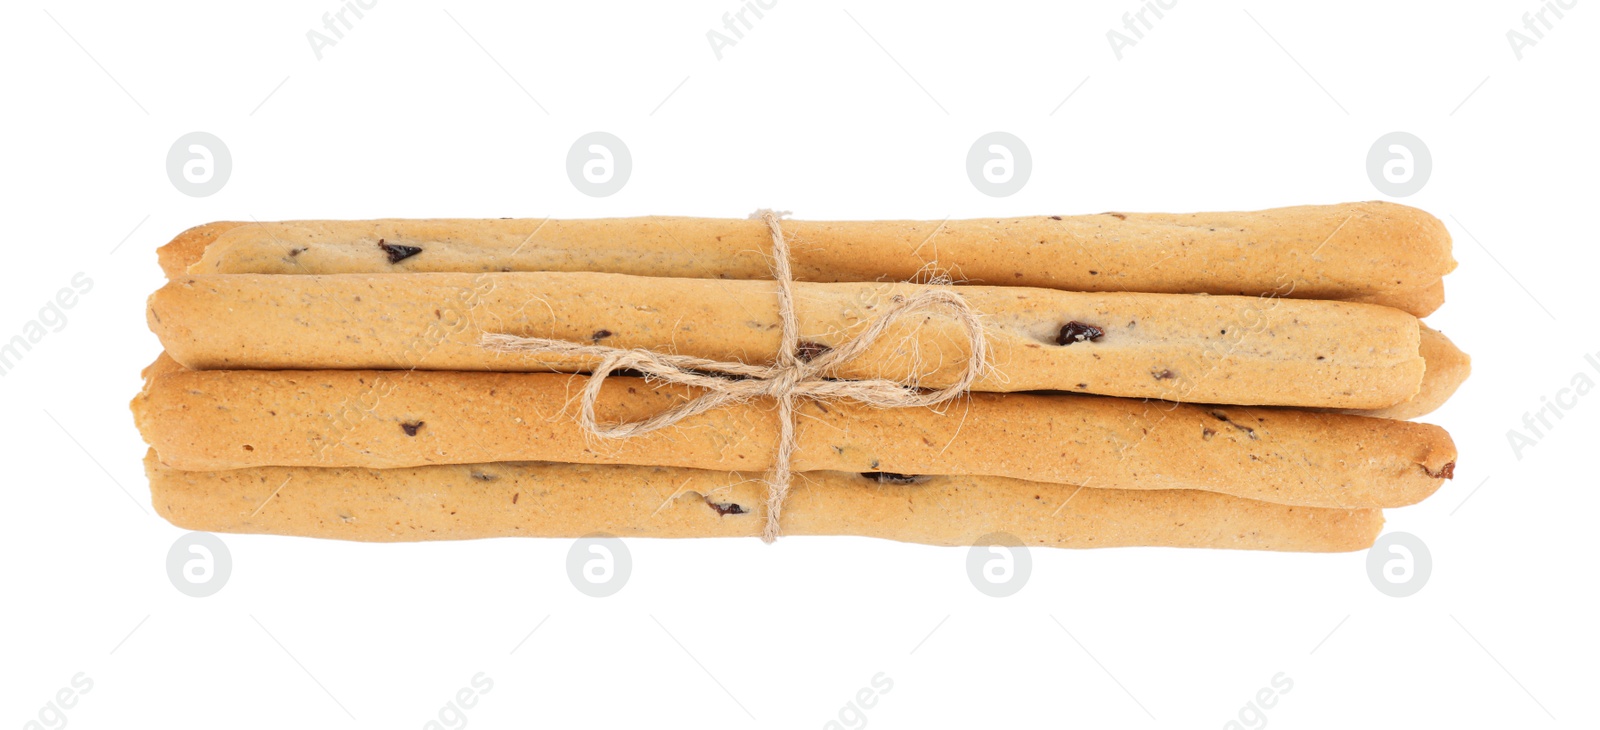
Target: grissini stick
{"x": 470, "y": 501}
{"x": 231, "y": 419}
{"x": 1372, "y": 251}
{"x": 1194, "y": 348}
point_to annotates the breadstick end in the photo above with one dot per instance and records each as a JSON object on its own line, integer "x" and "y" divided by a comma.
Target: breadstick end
{"x": 185, "y": 249}
{"x": 1417, "y": 232}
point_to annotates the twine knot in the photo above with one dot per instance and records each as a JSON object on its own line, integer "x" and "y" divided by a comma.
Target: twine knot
{"x": 791, "y": 377}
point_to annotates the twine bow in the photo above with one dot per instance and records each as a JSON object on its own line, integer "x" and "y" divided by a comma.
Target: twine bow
{"x": 790, "y": 378}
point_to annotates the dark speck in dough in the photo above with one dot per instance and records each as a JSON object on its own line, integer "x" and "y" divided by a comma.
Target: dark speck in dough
{"x": 887, "y": 477}
{"x": 807, "y": 350}
{"x": 726, "y": 508}
{"x": 397, "y": 252}
{"x": 1072, "y": 332}
{"x": 1448, "y": 471}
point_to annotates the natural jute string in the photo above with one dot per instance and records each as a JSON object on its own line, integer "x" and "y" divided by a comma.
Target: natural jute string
{"x": 785, "y": 381}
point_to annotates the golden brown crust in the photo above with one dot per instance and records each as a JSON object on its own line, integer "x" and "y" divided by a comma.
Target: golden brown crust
{"x": 162, "y": 365}
{"x": 210, "y": 420}
{"x": 186, "y": 249}
{"x": 1344, "y": 251}
{"x": 1210, "y": 349}
{"x": 1420, "y": 302}
{"x": 1448, "y": 367}
{"x": 574, "y": 500}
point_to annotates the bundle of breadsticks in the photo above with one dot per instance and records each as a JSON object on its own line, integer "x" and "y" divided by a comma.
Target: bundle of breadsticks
{"x": 1225, "y": 380}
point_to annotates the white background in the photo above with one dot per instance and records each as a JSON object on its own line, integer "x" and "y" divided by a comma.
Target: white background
{"x": 409, "y": 116}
